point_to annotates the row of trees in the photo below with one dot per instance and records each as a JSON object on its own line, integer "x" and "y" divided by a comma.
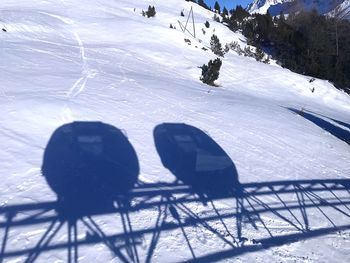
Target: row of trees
{"x": 217, "y": 7}
{"x": 307, "y": 43}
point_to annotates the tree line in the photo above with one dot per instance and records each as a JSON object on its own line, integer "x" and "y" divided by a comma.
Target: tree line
{"x": 305, "y": 42}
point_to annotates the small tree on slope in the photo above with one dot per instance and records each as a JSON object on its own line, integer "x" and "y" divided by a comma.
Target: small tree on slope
{"x": 151, "y": 12}
{"x": 215, "y": 46}
{"x": 217, "y": 7}
{"x": 211, "y": 72}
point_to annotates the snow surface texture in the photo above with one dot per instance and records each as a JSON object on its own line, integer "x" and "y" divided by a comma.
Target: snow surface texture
{"x": 284, "y": 148}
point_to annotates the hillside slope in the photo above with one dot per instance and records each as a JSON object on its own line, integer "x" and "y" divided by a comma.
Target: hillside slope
{"x": 284, "y": 148}
{"x": 275, "y": 7}
{"x": 261, "y": 6}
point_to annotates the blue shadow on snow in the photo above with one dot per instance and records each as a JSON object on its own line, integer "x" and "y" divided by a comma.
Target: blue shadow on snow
{"x": 336, "y": 131}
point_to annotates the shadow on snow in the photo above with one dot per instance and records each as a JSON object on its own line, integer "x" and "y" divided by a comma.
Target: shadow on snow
{"x": 335, "y": 130}
{"x": 196, "y": 159}
{"x": 93, "y": 169}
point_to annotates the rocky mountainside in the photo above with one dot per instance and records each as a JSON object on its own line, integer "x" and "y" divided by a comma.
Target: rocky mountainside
{"x": 261, "y": 6}
{"x": 329, "y": 7}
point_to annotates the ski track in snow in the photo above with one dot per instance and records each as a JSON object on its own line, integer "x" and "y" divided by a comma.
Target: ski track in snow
{"x": 87, "y": 73}
{"x": 79, "y": 85}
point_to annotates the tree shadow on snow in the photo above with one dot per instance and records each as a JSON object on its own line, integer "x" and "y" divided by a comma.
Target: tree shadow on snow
{"x": 335, "y": 130}
{"x": 93, "y": 169}
{"x": 341, "y": 123}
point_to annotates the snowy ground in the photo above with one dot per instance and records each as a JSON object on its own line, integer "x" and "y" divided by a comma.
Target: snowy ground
{"x": 100, "y": 60}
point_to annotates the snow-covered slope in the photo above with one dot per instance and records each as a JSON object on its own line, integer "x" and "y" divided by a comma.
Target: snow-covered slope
{"x": 261, "y": 6}
{"x": 342, "y": 10}
{"x": 275, "y": 7}
{"x": 284, "y": 148}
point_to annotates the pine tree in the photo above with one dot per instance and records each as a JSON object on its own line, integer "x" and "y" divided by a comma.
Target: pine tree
{"x": 225, "y": 12}
{"x": 217, "y": 7}
{"x": 151, "y": 12}
{"x": 216, "y": 18}
{"x": 259, "y": 54}
{"x": 202, "y": 4}
{"x": 215, "y": 46}
{"x": 211, "y": 72}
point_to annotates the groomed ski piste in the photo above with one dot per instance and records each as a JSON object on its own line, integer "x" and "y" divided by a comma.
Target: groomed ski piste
{"x": 73, "y": 72}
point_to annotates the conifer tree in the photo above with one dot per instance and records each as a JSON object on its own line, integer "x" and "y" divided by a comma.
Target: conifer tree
{"x": 203, "y": 4}
{"x": 151, "y": 12}
{"x": 259, "y": 54}
{"x": 217, "y": 7}
{"x": 215, "y": 46}
{"x": 211, "y": 72}
{"x": 225, "y": 11}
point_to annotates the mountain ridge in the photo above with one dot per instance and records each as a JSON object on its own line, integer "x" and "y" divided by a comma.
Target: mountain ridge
{"x": 275, "y": 7}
